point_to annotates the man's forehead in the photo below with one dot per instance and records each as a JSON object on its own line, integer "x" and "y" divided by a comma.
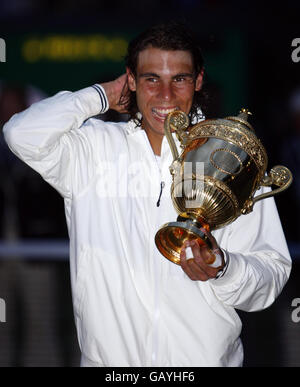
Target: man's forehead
{"x": 162, "y": 59}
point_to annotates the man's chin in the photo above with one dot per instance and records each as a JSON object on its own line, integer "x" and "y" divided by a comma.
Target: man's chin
{"x": 156, "y": 126}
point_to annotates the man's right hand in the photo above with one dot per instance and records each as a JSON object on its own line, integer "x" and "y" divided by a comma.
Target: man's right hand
{"x": 117, "y": 93}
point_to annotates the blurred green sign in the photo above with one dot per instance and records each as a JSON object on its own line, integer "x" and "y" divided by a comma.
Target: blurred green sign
{"x": 70, "y": 61}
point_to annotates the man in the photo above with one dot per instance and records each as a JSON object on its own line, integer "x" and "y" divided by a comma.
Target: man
{"x": 132, "y": 306}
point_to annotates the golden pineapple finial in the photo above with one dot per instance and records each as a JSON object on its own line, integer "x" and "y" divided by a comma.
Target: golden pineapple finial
{"x": 244, "y": 113}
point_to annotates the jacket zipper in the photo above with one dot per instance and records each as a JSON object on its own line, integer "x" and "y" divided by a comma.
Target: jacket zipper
{"x": 162, "y": 185}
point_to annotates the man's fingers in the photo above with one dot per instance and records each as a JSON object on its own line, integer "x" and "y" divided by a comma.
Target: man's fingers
{"x": 195, "y": 261}
{"x": 185, "y": 264}
{"x": 188, "y": 262}
{"x": 117, "y": 93}
{"x": 125, "y": 92}
{"x": 197, "y": 270}
{"x": 216, "y": 253}
{"x": 203, "y": 258}
{"x": 210, "y": 237}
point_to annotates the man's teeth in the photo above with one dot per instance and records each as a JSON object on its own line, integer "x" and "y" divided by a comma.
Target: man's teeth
{"x": 164, "y": 111}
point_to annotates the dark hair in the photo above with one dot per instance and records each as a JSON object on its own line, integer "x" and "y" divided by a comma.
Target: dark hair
{"x": 166, "y": 36}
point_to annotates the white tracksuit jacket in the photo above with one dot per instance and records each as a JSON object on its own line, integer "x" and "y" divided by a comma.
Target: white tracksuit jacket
{"x": 132, "y": 306}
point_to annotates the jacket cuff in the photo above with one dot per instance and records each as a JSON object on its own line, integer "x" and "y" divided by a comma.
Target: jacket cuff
{"x": 230, "y": 272}
{"x": 91, "y": 101}
{"x": 104, "y": 105}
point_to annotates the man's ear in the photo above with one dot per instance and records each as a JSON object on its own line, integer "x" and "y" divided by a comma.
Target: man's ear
{"x": 199, "y": 81}
{"x": 131, "y": 80}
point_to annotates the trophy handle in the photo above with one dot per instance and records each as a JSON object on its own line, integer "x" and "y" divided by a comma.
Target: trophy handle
{"x": 280, "y": 176}
{"x": 178, "y": 121}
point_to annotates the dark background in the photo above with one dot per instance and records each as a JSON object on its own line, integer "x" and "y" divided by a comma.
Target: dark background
{"x": 65, "y": 45}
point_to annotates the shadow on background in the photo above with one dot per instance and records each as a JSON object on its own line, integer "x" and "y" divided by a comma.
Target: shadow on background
{"x": 270, "y": 337}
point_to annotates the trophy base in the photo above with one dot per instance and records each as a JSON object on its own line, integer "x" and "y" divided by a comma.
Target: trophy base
{"x": 171, "y": 236}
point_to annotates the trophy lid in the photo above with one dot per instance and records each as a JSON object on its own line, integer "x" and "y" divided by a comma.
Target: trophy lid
{"x": 242, "y": 118}
{"x": 235, "y": 130}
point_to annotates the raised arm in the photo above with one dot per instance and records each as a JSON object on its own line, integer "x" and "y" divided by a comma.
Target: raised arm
{"x": 49, "y": 135}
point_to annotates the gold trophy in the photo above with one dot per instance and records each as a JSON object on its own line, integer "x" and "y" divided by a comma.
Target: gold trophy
{"x": 221, "y": 166}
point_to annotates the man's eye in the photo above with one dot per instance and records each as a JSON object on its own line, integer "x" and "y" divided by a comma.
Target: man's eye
{"x": 180, "y": 79}
{"x": 183, "y": 80}
{"x": 152, "y": 80}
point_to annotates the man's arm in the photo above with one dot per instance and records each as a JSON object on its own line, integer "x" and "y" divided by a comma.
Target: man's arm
{"x": 47, "y": 135}
{"x": 259, "y": 263}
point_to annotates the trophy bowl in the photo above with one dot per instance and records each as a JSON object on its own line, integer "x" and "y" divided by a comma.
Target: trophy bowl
{"x": 221, "y": 166}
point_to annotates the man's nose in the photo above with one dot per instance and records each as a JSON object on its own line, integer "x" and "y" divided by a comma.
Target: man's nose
{"x": 166, "y": 91}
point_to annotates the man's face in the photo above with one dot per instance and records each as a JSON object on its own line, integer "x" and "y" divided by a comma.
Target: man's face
{"x": 165, "y": 81}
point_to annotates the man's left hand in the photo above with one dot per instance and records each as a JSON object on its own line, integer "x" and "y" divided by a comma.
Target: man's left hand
{"x": 197, "y": 268}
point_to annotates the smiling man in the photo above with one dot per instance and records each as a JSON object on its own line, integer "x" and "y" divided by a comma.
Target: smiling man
{"x": 164, "y": 81}
{"x": 133, "y": 307}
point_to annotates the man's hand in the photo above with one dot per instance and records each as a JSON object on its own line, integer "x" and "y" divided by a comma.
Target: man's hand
{"x": 197, "y": 268}
{"x": 117, "y": 93}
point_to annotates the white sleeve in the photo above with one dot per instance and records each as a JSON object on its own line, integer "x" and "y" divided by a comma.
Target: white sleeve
{"x": 259, "y": 262}
{"x": 46, "y": 136}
